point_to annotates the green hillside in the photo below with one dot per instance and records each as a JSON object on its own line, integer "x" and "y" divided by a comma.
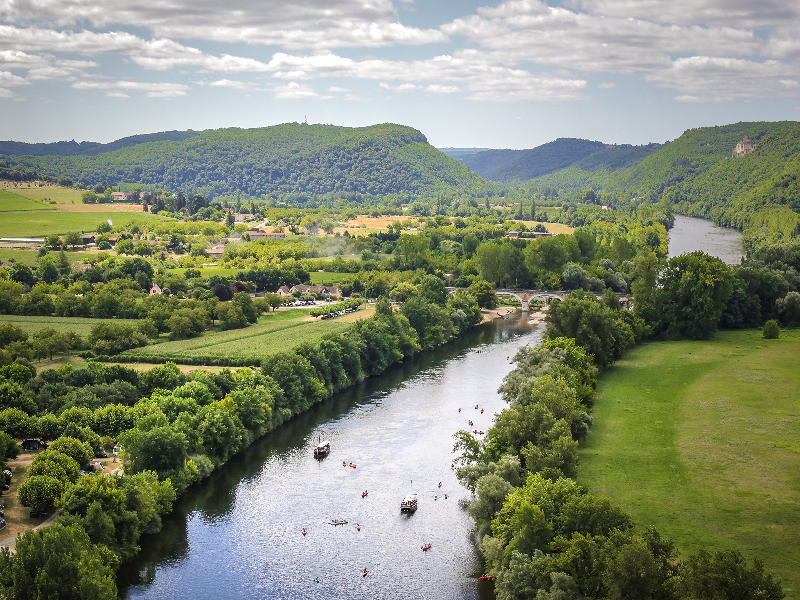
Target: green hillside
{"x": 289, "y": 158}
{"x": 758, "y": 192}
{"x": 523, "y": 165}
{"x": 74, "y": 148}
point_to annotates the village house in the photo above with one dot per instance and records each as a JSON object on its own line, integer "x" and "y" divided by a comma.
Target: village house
{"x": 331, "y": 290}
{"x": 155, "y": 290}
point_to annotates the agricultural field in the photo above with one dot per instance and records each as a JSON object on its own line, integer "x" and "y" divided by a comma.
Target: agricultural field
{"x": 59, "y": 222}
{"x": 37, "y": 192}
{"x": 269, "y": 336}
{"x": 702, "y": 440}
{"x": 80, "y": 325}
{"x": 29, "y": 257}
{"x": 325, "y": 278}
{"x": 11, "y": 202}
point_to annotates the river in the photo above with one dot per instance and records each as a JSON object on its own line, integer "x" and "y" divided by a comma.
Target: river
{"x": 690, "y": 234}
{"x": 238, "y": 534}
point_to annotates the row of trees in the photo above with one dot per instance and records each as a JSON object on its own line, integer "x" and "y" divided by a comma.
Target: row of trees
{"x": 174, "y": 430}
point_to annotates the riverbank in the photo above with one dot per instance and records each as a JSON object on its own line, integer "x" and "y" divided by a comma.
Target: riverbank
{"x": 244, "y": 523}
{"x": 699, "y": 439}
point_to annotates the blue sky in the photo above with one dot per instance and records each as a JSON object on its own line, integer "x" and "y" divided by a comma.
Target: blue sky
{"x": 511, "y": 74}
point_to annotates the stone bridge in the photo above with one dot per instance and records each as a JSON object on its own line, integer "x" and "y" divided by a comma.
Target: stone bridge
{"x": 525, "y": 296}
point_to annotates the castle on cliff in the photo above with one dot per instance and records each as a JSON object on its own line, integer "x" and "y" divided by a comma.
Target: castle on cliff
{"x": 746, "y": 146}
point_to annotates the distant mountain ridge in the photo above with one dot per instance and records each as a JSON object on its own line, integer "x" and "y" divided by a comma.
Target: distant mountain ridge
{"x": 73, "y": 148}
{"x": 522, "y": 165}
{"x": 293, "y": 158}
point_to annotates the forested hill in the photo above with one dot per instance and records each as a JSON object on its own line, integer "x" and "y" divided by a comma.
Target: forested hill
{"x": 523, "y": 165}
{"x": 283, "y": 159}
{"x": 74, "y": 148}
{"x": 758, "y": 192}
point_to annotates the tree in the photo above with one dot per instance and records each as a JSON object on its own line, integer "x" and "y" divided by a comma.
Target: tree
{"x": 788, "y": 309}
{"x": 160, "y": 449}
{"x": 73, "y": 238}
{"x": 40, "y": 491}
{"x": 691, "y": 295}
{"x": 80, "y": 452}
{"x": 724, "y": 574}
{"x": 125, "y": 247}
{"x": 771, "y": 330}
{"x": 59, "y": 563}
{"x": 484, "y": 293}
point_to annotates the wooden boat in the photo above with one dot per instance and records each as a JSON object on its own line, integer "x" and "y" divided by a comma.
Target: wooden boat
{"x": 409, "y": 503}
{"x": 322, "y": 450}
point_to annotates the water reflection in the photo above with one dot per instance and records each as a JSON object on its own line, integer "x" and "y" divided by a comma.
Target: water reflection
{"x": 238, "y": 535}
{"x": 690, "y": 234}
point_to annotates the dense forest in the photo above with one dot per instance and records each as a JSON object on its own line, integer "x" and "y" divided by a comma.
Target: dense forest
{"x": 289, "y": 158}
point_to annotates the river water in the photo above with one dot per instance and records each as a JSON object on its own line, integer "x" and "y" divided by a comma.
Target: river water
{"x": 690, "y": 234}
{"x": 238, "y": 534}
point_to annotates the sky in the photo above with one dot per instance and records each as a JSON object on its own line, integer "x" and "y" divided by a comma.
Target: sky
{"x": 513, "y": 74}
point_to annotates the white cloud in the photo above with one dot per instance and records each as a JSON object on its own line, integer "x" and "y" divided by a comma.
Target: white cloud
{"x": 607, "y": 86}
{"x": 152, "y": 90}
{"x": 237, "y": 85}
{"x": 735, "y": 13}
{"x": 442, "y": 89}
{"x": 6, "y": 93}
{"x": 403, "y": 87}
{"x": 715, "y": 79}
{"x": 294, "y": 91}
{"x": 299, "y": 24}
{"x": 7, "y": 79}
{"x": 338, "y": 90}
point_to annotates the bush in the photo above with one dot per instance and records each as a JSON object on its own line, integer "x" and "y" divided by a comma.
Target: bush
{"x": 771, "y": 330}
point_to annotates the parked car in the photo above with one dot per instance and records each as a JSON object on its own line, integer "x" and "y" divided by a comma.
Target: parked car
{"x": 100, "y": 454}
{"x": 35, "y": 513}
{"x": 2, "y": 522}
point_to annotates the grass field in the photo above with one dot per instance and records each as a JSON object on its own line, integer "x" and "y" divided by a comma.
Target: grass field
{"x": 28, "y": 257}
{"x": 79, "y": 325}
{"x": 280, "y": 332}
{"x": 10, "y": 201}
{"x": 326, "y": 278}
{"x": 41, "y": 223}
{"x": 702, "y": 440}
{"x": 60, "y": 194}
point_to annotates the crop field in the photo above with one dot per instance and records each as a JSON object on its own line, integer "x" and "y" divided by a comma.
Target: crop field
{"x": 81, "y": 326}
{"x": 41, "y": 223}
{"x": 326, "y": 278}
{"x": 10, "y": 201}
{"x": 60, "y": 194}
{"x": 252, "y": 343}
{"x": 702, "y": 440}
{"x": 28, "y": 257}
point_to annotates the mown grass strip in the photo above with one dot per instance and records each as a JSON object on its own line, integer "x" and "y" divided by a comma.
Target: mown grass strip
{"x": 11, "y": 202}
{"x": 700, "y": 439}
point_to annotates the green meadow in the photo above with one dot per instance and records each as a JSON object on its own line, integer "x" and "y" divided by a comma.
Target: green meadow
{"x": 10, "y": 201}
{"x": 45, "y": 222}
{"x": 80, "y": 325}
{"x": 702, "y": 440}
{"x": 61, "y": 195}
{"x": 29, "y": 257}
